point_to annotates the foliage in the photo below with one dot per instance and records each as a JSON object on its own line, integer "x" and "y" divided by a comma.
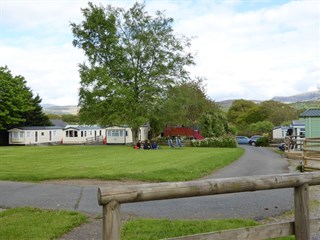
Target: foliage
{"x": 70, "y": 118}
{"x": 32, "y": 223}
{"x": 226, "y": 141}
{"x": 18, "y": 107}
{"x": 35, "y": 163}
{"x": 15, "y": 99}
{"x": 214, "y": 124}
{"x": 262, "y": 142}
{"x": 132, "y": 60}
{"x": 277, "y": 112}
{"x": 143, "y": 229}
{"x": 262, "y": 127}
{"x": 36, "y": 117}
{"x": 248, "y": 116}
{"x": 186, "y": 103}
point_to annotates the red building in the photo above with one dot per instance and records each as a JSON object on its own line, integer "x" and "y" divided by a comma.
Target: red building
{"x": 183, "y": 132}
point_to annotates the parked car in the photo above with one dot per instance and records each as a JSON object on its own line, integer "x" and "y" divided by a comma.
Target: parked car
{"x": 253, "y": 139}
{"x": 242, "y": 139}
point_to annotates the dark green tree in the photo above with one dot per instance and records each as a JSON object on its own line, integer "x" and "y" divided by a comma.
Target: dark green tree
{"x": 133, "y": 58}
{"x": 186, "y": 103}
{"x": 18, "y": 107}
{"x": 36, "y": 117}
{"x": 15, "y": 99}
{"x": 278, "y": 113}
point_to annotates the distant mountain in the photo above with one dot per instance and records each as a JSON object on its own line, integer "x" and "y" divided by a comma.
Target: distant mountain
{"x": 308, "y": 96}
{"x": 60, "y": 110}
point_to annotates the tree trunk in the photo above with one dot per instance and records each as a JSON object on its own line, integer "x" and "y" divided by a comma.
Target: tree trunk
{"x": 135, "y": 134}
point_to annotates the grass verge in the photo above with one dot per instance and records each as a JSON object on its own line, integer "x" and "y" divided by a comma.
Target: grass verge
{"x": 32, "y": 223}
{"x": 154, "y": 229}
{"x": 34, "y": 163}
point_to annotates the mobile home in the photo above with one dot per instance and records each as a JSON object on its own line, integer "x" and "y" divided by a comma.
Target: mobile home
{"x": 35, "y": 135}
{"x": 123, "y": 134}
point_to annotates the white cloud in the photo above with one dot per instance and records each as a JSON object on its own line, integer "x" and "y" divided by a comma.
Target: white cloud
{"x": 253, "y": 54}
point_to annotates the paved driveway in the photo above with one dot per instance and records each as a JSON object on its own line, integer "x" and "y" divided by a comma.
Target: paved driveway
{"x": 257, "y": 205}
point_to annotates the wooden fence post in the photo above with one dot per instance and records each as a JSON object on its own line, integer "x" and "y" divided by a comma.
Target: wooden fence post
{"x": 111, "y": 221}
{"x": 301, "y": 211}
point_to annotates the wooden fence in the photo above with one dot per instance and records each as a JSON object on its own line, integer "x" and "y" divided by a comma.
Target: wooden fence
{"x": 110, "y": 199}
{"x": 311, "y": 154}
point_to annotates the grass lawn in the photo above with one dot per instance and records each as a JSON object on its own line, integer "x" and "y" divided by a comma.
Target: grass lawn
{"x": 154, "y": 229}
{"x": 37, "y": 163}
{"x": 32, "y": 223}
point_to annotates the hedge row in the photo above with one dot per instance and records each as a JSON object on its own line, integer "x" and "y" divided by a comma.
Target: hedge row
{"x": 225, "y": 141}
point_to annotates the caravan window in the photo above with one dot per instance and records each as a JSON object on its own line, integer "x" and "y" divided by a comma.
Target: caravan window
{"x": 115, "y": 133}
{"x": 21, "y": 134}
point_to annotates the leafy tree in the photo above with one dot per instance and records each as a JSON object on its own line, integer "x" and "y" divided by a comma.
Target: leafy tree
{"x": 186, "y": 103}
{"x": 36, "y": 117}
{"x": 278, "y": 113}
{"x": 132, "y": 60}
{"x": 214, "y": 124}
{"x": 238, "y": 112}
{"x": 262, "y": 127}
{"x": 15, "y": 99}
{"x": 18, "y": 107}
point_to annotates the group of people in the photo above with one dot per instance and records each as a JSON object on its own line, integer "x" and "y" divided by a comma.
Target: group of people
{"x": 177, "y": 140}
{"x": 146, "y": 145}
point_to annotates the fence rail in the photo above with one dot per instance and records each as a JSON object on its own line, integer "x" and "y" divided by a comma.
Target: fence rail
{"x": 311, "y": 154}
{"x": 111, "y": 197}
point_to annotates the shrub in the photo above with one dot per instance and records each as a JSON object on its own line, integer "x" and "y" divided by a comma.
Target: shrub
{"x": 224, "y": 141}
{"x": 262, "y": 142}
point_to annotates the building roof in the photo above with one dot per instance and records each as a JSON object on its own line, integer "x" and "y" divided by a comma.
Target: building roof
{"x": 314, "y": 112}
{"x": 36, "y": 128}
{"x": 282, "y": 127}
{"x": 297, "y": 123}
{"x": 82, "y": 127}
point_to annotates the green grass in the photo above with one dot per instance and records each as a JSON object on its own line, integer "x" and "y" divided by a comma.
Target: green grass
{"x": 35, "y": 163}
{"x": 153, "y": 229}
{"x": 32, "y": 223}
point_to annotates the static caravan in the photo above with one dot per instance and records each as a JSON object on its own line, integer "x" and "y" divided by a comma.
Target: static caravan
{"x": 279, "y": 132}
{"x": 83, "y": 134}
{"x": 35, "y": 135}
{"x": 311, "y": 118}
{"x": 123, "y": 134}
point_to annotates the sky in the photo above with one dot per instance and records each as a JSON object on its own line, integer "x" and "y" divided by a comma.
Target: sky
{"x": 245, "y": 49}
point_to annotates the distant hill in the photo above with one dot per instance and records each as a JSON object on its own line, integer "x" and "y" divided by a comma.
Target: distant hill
{"x": 60, "y": 110}
{"x": 299, "y": 101}
{"x": 308, "y": 96}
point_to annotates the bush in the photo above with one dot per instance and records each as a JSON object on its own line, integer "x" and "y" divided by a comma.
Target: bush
{"x": 262, "y": 142}
{"x": 224, "y": 141}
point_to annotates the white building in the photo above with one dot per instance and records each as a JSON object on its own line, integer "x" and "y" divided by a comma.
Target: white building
{"x": 279, "y": 132}
{"x": 123, "y": 134}
{"x": 35, "y": 135}
{"x": 78, "y": 134}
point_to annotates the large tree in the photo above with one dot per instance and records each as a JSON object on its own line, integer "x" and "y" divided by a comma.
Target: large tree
{"x": 186, "y": 103}
{"x": 18, "y": 107}
{"x": 132, "y": 60}
{"x": 14, "y": 99}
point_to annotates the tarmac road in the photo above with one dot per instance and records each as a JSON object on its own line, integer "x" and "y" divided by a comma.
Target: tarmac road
{"x": 256, "y": 205}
